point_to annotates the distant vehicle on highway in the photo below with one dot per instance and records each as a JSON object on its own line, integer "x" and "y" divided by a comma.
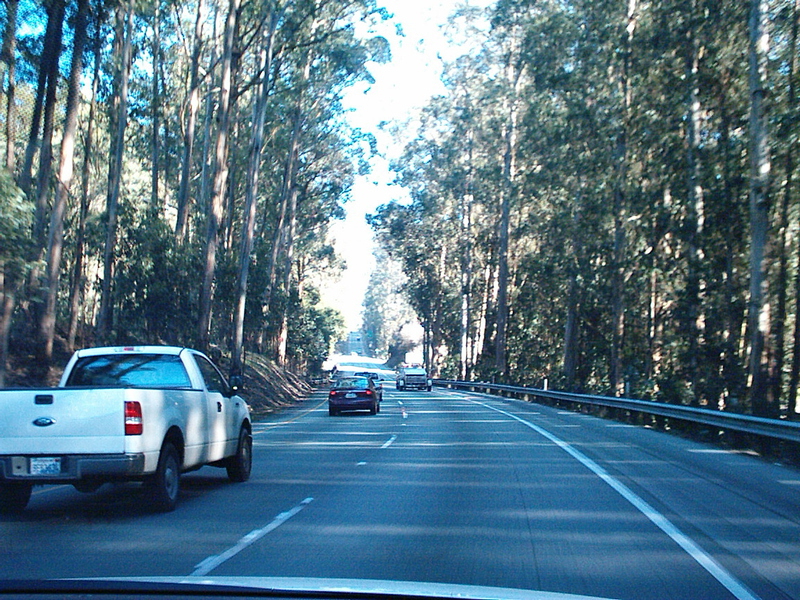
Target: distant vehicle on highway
{"x": 354, "y": 393}
{"x": 413, "y": 378}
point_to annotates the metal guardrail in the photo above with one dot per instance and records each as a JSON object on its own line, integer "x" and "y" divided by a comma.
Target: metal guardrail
{"x": 769, "y": 428}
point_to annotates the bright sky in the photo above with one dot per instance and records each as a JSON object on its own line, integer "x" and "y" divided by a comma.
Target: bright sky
{"x": 402, "y": 87}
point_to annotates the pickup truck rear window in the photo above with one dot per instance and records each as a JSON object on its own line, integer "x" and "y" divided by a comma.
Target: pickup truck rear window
{"x": 130, "y": 370}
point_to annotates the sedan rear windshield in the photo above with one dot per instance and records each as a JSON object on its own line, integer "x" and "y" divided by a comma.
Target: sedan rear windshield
{"x": 352, "y": 383}
{"x": 130, "y": 370}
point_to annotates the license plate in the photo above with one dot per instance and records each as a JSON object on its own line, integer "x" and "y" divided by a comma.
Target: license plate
{"x": 46, "y": 466}
{"x": 350, "y": 395}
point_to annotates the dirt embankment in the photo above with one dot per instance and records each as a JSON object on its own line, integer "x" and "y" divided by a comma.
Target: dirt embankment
{"x": 268, "y": 387}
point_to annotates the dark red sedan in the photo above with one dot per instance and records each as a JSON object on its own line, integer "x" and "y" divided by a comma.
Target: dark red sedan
{"x": 354, "y": 393}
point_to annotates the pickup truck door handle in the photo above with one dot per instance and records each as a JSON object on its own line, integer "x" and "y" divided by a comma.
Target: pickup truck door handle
{"x": 219, "y": 406}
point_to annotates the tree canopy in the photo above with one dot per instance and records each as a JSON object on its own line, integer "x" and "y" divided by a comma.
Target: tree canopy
{"x": 604, "y": 199}
{"x": 173, "y": 161}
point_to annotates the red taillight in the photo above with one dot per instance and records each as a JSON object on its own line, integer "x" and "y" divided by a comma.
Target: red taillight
{"x": 368, "y": 392}
{"x": 133, "y": 418}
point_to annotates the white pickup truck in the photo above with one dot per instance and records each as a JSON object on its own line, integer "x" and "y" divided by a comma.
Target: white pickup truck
{"x": 145, "y": 413}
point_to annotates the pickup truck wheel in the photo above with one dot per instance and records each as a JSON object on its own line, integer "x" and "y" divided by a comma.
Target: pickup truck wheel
{"x": 14, "y": 496}
{"x": 240, "y": 465}
{"x": 165, "y": 484}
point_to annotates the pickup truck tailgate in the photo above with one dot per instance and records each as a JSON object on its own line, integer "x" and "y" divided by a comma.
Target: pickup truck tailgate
{"x": 62, "y": 421}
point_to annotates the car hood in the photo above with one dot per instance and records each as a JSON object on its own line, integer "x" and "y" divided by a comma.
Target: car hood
{"x": 277, "y": 587}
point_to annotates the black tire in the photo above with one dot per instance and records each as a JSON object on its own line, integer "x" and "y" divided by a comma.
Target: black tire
{"x": 373, "y": 410}
{"x": 14, "y": 496}
{"x": 164, "y": 487}
{"x": 240, "y": 464}
{"x": 332, "y": 411}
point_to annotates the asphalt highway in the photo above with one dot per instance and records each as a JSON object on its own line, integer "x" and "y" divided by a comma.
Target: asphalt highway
{"x": 445, "y": 487}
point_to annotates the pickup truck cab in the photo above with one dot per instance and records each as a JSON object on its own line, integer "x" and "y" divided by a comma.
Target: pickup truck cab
{"x": 144, "y": 413}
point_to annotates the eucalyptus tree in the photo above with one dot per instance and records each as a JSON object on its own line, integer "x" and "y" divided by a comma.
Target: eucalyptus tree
{"x": 386, "y": 309}
{"x": 260, "y": 97}
{"x": 77, "y": 284}
{"x": 118, "y": 118}
{"x": 783, "y": 135}
{"x": 7, "y": 55}
{"x": 215, "y": 214}
{"x": 760, "y": 164}
{"x": 319, "y": 56}
{"x": 47, "y": 321}
{"x": 16, "y": 219}
{"x": 191, "y": 108}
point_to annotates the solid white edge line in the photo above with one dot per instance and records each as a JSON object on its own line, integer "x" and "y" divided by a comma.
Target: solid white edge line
{"x": 212, "y": 562}
{"x": 717, "y": 571}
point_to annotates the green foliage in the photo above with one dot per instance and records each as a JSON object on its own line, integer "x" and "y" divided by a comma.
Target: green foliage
{"x": 156, "y": 286}
{"x": 313, "y": 331}
{"x": 16, "y": 220}
{"x": 602, "y": 189}
{"x": 386, "y": 309}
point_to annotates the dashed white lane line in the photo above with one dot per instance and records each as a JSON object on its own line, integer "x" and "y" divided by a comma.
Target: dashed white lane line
{"x": 389, "y": 442}
{"x": 717, "y": 571}
{"x": 212, "y": 562}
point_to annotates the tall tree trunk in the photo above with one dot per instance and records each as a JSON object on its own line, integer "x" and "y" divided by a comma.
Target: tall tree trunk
{"x": 733, "y": 360}
{"x": 8, "y": 55}
{"x": 155, "y": 109}
{"x": 221, "y": 177}
{"x": 283, "y": 335}
{"x": 46, "y": 152}
{"x": 119, "y": 119}
{"x": 49, "y": 64}
{"x": 77, "y": 285}
{"x": 287, "y": 185}
{"x": 52, "y": 46}
{"x": 467, "y": 263}
{"x": 251, "y": 191}
{"x": 207, "y": 171}
{"x": 47, "y": 323}
{"x": 572, "y": 326}
{"x": 759, "y": 318}
{"x": 514, "y": 77}
{"x": 783, "y": 248}
{"x": 695, "y": 212}
{"x": 620, "y": 208}
{"x": 191, "y": 124}
{"x": 482, "y": 326}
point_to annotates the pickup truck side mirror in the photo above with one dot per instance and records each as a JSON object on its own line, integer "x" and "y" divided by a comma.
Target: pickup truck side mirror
{"x": 237, "y": 383}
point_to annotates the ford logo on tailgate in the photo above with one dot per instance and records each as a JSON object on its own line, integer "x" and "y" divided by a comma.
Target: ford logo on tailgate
{"x": 44, "y": 421}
